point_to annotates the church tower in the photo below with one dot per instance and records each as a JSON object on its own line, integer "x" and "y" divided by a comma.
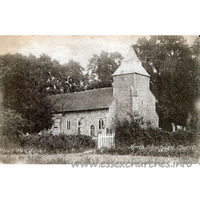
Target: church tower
{"x": 131, "y": 90}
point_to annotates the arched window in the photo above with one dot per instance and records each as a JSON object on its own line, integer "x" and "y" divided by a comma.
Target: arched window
{"x": 92, "y": 130}
{"x": 101, "y": 123}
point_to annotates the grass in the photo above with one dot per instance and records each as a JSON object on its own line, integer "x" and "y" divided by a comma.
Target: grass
{"x": 85, "y": 158}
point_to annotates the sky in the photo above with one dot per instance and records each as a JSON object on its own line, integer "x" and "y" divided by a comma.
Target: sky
{"x": 66, "y": 47}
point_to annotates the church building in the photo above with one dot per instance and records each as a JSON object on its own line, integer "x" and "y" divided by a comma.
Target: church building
{"x": 92, "y": 111}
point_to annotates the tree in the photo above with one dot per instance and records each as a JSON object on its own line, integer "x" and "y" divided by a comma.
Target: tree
{"x": 27, "y": 81}
{"x": 174, "y": 80}
{"x": 65, "y": 78}
{"x": 196, "y": 54}
{"x": 22, "y": 85}
{"x": 101, "y": 68}
{"x": 71, "y": 77}
{"x": 196, "y": 47}
{"x": 11, "y": 123}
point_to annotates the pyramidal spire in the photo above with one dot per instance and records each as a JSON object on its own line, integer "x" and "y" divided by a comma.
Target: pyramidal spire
{"x": 131, "y": 64}
{"x": 131, "y": 55}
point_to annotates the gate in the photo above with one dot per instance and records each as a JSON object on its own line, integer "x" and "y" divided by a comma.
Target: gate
{"x": 106, "y": 140}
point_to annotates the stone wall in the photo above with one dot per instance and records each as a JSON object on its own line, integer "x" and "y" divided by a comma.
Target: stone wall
{"x": 87, "y": 119}
{"x": 123, "y": 97}
{"x": 146, "y": 100}
{"x": 122, "y": 94}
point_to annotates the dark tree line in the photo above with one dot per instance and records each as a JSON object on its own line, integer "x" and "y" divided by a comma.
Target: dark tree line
{"x": 173, "y": 67}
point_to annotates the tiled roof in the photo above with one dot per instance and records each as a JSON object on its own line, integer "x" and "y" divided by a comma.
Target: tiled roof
{"x": 84, "y": 100}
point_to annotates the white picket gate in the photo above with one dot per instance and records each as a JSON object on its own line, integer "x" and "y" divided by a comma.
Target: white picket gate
{"x": 106, "y": 140}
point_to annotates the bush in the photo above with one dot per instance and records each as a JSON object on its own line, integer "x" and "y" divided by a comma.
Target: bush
{"x": 7, "y": 143}
{"x": 53, "y": 143}
{"x": 128, "y": 133}
{"x": 11, "y": 123}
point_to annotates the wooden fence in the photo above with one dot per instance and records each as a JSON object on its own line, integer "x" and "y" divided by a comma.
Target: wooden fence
{"x": 106, "y": 140}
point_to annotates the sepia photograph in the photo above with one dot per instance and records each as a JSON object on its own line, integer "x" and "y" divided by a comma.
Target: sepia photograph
{"x": 107, "y": 100}
{"x": 99, "y": 100}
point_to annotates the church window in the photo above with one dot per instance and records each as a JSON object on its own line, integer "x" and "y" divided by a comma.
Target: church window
{"x": 101, "y": 123}
{"x": 79, "y": 122}
{"x": 79, "y": 125}
{"x": 68, "y": 124}
{"x": 92, "y": 130}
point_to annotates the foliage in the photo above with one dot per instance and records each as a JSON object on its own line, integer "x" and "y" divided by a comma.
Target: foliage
{"x": 128, "y": 133}
{"x": 196, "y": 54}
{"x": 53, "y": 143}
{"x": 174, "y": 78}
{"x": 23, "y": 92}
{"x": 196, "y": 47}
{"x": 131, "y": 137}
{"x": 67, "y": 78}
{"x": 101, "y": 68}
{"x": 11, "y": 123}
{"x": 26, "y": 82}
